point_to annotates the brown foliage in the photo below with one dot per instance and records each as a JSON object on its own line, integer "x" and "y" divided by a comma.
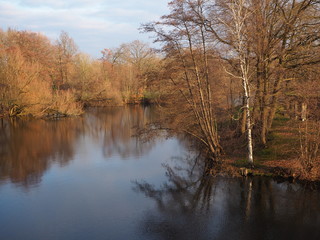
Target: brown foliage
{"x": 309, "y": 145}
{"x": 26, "y": 64}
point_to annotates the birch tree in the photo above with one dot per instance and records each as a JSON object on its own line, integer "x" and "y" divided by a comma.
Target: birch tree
{"x": 239, "y": 13}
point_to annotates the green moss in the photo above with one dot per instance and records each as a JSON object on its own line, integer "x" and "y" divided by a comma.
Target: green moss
{"x": 241, "y": 163}
{"x": 283, "y": 140}
{"x": 150, "y": 95}
{"x": 280, "y": 121}
{"x": 266, "y": 154}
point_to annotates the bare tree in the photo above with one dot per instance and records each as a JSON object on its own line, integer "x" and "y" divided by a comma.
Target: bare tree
{"x": 282, "y": 35}
{"x": 187, "y": 45}
{"x": 66, "y": 50}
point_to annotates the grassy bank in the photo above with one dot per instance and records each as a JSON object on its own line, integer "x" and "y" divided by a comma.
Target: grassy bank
{"x": 281, "y": 157}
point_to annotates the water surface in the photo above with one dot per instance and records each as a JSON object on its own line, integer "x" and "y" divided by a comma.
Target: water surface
{"x": 94, "y": 178}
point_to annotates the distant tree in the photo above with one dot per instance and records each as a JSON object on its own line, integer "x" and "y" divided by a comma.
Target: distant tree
{"x": 66, "y": 52}
{"x": 130, "y": 64}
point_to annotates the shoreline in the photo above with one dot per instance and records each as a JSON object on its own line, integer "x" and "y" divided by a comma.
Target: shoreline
{"x": 280, "y": 174}
{"x": 281, "y": 169}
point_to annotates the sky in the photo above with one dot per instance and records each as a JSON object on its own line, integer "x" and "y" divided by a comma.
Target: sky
{"x": 93, "y": 24}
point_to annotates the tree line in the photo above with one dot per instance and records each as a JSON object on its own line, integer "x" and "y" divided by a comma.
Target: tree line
{"x": 42, "y": 78}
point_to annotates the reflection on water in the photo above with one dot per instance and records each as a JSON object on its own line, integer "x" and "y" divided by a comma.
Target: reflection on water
{"x": 117, "y": 128}
{"x": 28, "y": 148}
{"x": 195, "y": 206}
{"x": 93, "y": 178}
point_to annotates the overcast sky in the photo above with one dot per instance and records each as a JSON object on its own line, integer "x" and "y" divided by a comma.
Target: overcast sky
{"x": 93, "y": 24}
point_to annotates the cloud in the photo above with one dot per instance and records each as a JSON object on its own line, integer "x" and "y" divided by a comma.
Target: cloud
{"x": 94, "y": 24}
{"x": 56, "y": 4}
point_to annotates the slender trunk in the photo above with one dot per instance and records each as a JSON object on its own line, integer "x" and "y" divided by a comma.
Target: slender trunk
{"x": 264, "y": 106}
{"x": 248, "y": 121}
{"x": 264, "y": 127}
{"x": 204, "y": 93}
{"x": 274, "y": 99}
{"x": 296, "y": 111}
{"x": 257, "y": 105}
{"x": 239, "y": 14}
{"x": 304, "y": 111}
{"x": 272, "y": 113}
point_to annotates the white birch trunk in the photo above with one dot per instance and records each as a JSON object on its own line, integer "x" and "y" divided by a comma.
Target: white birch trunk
{"x": 248, "y": 122}
{"x": 239, "y": 14}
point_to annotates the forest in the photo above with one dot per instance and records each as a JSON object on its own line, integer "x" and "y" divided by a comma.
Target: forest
{"x": 240, "y": 76}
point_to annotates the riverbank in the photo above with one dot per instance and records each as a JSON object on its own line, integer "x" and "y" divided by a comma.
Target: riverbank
{"x": 281, "y": 158}
{"x": 72, "y": 109}
{"x": 275, "y": 172}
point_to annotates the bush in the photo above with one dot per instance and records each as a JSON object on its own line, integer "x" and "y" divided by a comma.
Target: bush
{"x": 64, "y": 102}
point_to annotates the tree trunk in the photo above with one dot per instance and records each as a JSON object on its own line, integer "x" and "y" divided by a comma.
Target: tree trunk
{"x": 250, "y": 144}
{"x": 296, "y": 111}
{"x": 264, "y": 114}
{"x": 264, "y": 129}
{"x": 304, "y": 111}
{"x": 243, "y": 121}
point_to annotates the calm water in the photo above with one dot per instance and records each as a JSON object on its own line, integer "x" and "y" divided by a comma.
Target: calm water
{"x": 94, "y": 178}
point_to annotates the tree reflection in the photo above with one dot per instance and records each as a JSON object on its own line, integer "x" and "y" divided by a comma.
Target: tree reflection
{"x": 28, "y": 148}
{"x": 117, "y": 127}
{"x": 192, "y": 205}
{"x": 183, "y": 202}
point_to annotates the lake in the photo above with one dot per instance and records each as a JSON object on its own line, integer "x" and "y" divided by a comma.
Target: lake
{"x": 94, "y": 177}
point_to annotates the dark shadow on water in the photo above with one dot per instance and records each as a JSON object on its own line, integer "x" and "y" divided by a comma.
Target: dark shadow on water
{"x": 195, "y": 206}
